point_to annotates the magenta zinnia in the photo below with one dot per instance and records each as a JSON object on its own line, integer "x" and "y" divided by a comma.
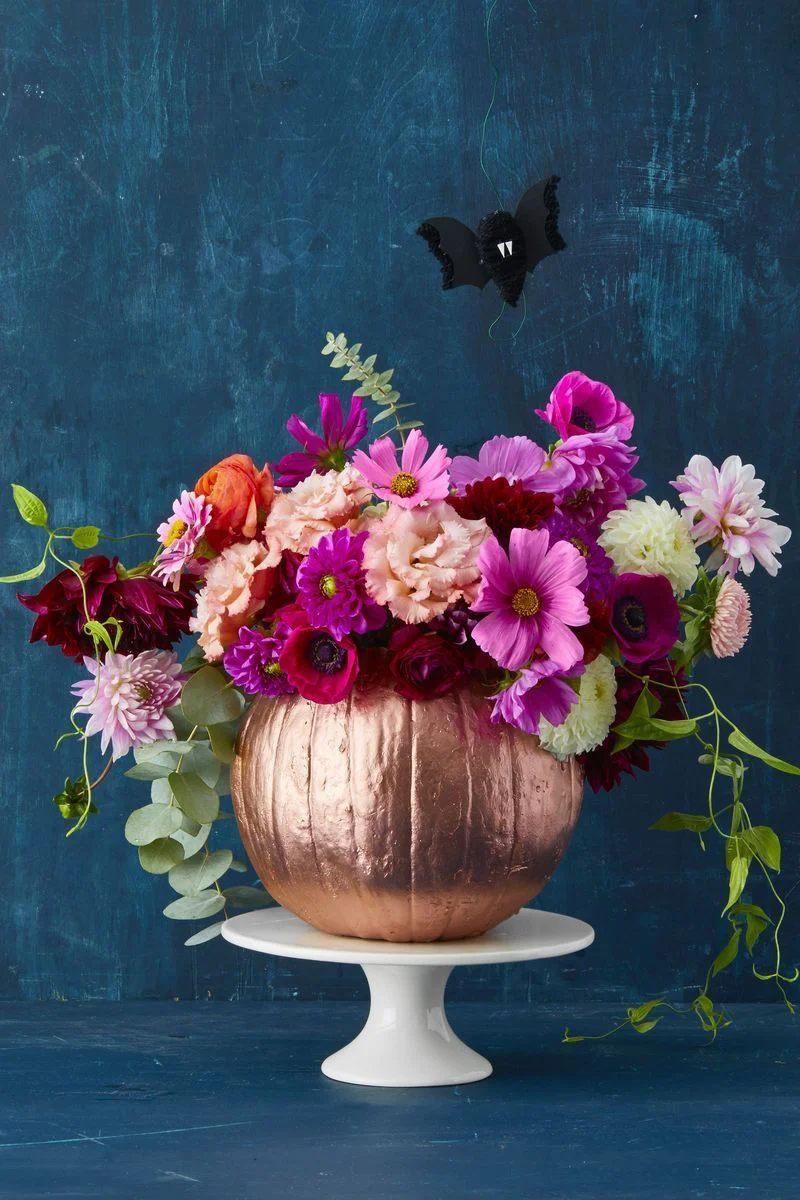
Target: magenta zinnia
{"x": 127, "y": 697}
{"x": 330, "y": 586}
{"x": 533, "y": 597}
{"x": 325, "y": 452}
{"x": 413, "y": 480}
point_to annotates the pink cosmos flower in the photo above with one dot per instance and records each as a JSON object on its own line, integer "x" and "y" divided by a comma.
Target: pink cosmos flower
{"x": 539, "y": 692}
{"x": 730, "y": 623}
{"x": 513, "y": 459}
{"x": 723, "y": 506}
{"x": 414, "y": 480}
{"x": 601, "y": 475}
{"x": 328, "y": 451}
{"x": 532, "y": 595}
{"x": 127, "y": 698}
{"x": 579, "y": 405}
{"x": 180, "y": 537}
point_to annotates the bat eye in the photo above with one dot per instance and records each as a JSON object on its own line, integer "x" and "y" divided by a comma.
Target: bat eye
{"x": 505, "y": 248}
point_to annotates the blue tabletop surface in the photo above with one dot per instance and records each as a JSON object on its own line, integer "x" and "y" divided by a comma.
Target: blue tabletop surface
{"x": 155, "y": 1100}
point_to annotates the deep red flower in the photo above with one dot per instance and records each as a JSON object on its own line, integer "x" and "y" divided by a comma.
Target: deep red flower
{"x": 604, "y": 769}
{"x": 503, "y": 505}
{"x": 594, "y": 636}
{"x": 425, "y": 665}
{"x": 153, "y": 616}
{"x": 321, "y": 667}
{"x": 645, "y": 617}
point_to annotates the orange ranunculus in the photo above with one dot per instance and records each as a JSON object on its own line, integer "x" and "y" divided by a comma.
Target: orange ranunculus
{"x": 238, "y": 493}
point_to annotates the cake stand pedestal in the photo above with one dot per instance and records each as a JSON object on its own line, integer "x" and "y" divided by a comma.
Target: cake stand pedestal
{"x": 407, "y": 1040}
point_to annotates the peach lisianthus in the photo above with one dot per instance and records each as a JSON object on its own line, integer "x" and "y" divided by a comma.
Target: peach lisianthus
{"x": 239, "y": 494}
{"x": 317, "y": 505}
{"x": 237, "y": 586}
{"x": 420, "y": 561}
{"x": 730, "y": 623}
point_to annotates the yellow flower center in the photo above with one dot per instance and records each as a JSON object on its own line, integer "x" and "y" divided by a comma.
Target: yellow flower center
{"x": 272, "y": 668}
{"x": 176, "y": 530}
{"x": 327, "y": 585}
{"x": 579, "y": 545}
{"x": 404, "y": 485}
{"x": 525, "y": 602}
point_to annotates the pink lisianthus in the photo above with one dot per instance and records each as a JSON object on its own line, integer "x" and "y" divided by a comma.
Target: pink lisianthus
{"x": 315, "y": 506}
{"x": 237, "y": 586}
{"x": 515, "y": 459}
{"x": 723, "y": 506}
{"x": 412, "y": 482}
{"x": 645, "y": 618}
{"x": 533, "y": 598}
{"x": 538, "y": 692}
{"x": 601, "y": 475}
{"x": 180, "y": 537}
{"x": 127, "y": 697}
{"x": 730, "y": 623}
{"x": 579, "y": 405}
{"x": 420, "y": 561}
{"x": 325, "y": 452}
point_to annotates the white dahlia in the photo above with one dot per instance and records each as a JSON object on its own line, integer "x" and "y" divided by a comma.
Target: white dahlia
{"x": 651, "y": 539}
{"x": 588, "y": 722}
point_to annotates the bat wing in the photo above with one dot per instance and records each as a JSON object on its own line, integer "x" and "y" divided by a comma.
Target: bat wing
{"x": 456, "y": 250}
{"x": 537, "y": 217}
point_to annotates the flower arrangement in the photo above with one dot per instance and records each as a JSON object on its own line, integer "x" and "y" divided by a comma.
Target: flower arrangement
{"x": 531, "y": 572}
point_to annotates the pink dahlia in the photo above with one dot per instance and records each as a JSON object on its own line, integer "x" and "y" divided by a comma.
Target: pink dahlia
{"x": 411, "y": 482}
{"x": 127, "y": 697}
{"x": 515, "y": 459}
{"x": 601, "y": 475}
{"x": 645, "y": 618}
{"x": 532, "y": 595}
{"x": 180, "y": 537}
{"x": 730, "y": 623}
{"x": 723, "y": 506}
{"x": 579, "y": 405}
{"x": 328, "y": 451}
{"x": 331, "y": 586}
{"x": 536, "y": 693}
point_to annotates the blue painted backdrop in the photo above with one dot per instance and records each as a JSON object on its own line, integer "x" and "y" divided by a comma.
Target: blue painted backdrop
{"x": 191, "y": 194}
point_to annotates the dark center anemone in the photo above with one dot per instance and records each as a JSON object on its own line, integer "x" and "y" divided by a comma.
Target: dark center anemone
{"x": 326, "y": 655}
{"x": 581, "y": 418}
{"x": 404, "y": 485}
{"x": 630, "y": 617}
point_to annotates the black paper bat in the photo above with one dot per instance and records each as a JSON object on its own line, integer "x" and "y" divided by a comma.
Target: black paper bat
{"x": 504, "y": 248}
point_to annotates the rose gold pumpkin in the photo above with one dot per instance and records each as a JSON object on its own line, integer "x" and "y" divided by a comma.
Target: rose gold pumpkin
{"x": 380, "y": 817}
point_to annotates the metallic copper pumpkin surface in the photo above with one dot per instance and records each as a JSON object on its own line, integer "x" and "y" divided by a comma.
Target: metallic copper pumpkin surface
{"x": 380, "y": 817}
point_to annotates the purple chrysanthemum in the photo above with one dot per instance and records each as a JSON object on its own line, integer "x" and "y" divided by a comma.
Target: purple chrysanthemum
{"x": 252, "y": 663}
{"x": 328, "y": 451}
{"x": 599, "y": 567}
{"x": 330, "y": 584}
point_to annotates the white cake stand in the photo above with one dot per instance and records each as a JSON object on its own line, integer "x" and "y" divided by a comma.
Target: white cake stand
{"x": 407, "y": 1040}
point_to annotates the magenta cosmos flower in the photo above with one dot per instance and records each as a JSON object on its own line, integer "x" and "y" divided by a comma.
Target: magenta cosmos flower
{"x": 127, "y": 697}
{"x": 413, "y": 480}
{"x": 532, "y": 595}
{"x": 540, "y": 692}
{"x": 645, "y": 618}
{"x": 579, "y": 404}
{"x": 325, "y": 452}
{"x": 180, "y": 536}
{"x": 723, "y": 506}
{"x": 253, "y": 663}
{"x": 513, "y": 459}
{"x": 330, "y": 586}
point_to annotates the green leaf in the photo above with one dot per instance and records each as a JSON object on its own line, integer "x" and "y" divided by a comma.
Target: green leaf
{"x": 738, "y": 878}
{"x": 150, "y": 823}
{"x": 237, "y": 865}
{"x": 572, "y": 1037}
{"x": 205, "y": 764}
{"x": 765, "y": 843}
{"x": 223, "y": 742}
{"x": 646, "y": 1026}
{"x": 654, "y": 729}
{"x": 85, "y": 537}
{"x": 33, "y": 573}
{"x": 743, "y": 743}
{"x": 154, "y": 750}
{"x": 151, "y": 770}
{"x": 161, "y": 792}
{"x": 725, "y": 766}
{"x": 205, "y": 935}
{"x": 752, "y": 909}
{"x": 160, "y": 856}
{"x": 194, "y": 660}
{"x": 192, "y": 842}
{"x": 638, "y": 1014}
{"x": 207, "y": 699}
{"x": 98, "y": 633}
{"x": 194, "y": 908}
{"x": 726, "y": 955}
{"x": 733, "y": 846}
{"x": 755, "y": 927}
{"x": 247, "y": 897}
{"x": 678, "y": 820}
{"x": 197, "y": 873}
{"x": 29, "y": 507}
{"x": 195, "y": 798}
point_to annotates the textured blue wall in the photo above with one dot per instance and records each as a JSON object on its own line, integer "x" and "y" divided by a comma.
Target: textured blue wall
{"x": 192, "y": 193}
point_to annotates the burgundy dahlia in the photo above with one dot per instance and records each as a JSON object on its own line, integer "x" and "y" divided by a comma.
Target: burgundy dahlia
{"x": 503, "y": 505}
{"x": 153, "y": 616}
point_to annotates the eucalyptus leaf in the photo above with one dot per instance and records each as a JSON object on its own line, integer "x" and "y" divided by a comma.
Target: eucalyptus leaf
{"x": 29, "y": 507}
{"x": 192, "y": 842}
{"x": 160, "y": 791}
{"x": 151, "y": 770}
{"x": 743, "y": 743}
{"x": 196, "y": 798}
{"x": 205, "y": 935}
{"x": 237, "y": 865}
{"x": 156, "y": 749}
{"x": 205, "y": 764}
{"x": 223, "y": 742}
{"x": 207, "y": 698}
{"x": 148, "y": 824}
{"x": 247, "y": 897}
{"x": 160, "y": 856}
{"x": 197, "y": 873}
{"x": 179, "y": 723}
{"x": 194, "y": 908}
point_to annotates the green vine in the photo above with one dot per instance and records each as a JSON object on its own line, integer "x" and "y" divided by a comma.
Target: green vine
{"x": 374, "y": 384}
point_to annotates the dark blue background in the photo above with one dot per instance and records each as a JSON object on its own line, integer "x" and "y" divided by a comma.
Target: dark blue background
{"x": 191, "y": 194}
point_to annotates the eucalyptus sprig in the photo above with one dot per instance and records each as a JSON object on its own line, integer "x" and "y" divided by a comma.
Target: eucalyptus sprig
{"x": 374, "y": 384}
